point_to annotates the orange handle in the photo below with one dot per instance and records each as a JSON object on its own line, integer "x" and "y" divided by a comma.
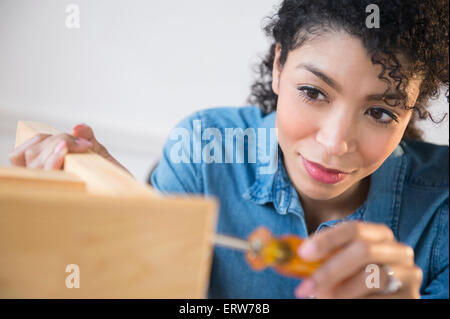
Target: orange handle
{"x": 278, "y": 253}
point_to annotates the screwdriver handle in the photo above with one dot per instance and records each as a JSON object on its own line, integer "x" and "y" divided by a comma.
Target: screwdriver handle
{"x": 279, "y": 253}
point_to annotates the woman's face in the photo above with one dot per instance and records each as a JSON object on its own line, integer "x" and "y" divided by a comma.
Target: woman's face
{"x": 328, "y": 113}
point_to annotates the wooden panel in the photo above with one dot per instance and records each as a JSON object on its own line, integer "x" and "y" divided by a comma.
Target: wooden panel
{"x": 125, "y": 248}
{"x": 101, "y": 176}
{"x": 104, "y": 178}
{"x": 40, "y": 179}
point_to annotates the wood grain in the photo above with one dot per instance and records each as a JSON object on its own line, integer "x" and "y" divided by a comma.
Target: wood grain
{"x": 140, "y": 248}
{"x": 128, "y": 241}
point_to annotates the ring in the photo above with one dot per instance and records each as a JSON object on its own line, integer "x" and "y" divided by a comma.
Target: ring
{"x": 394, "y": 283}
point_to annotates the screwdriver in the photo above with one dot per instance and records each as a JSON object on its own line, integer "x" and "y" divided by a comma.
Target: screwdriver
{"x": 263, "y": 250}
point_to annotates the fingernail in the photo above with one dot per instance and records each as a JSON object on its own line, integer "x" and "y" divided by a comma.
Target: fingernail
{"x": 60, "y": 146}
{"x": 307, "y": 250}
{"x": 78, "y": 125}
{"x": 83, "y": 142}
{"x": 306, "y": 289}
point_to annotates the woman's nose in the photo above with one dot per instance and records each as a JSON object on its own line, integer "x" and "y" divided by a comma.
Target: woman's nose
{"x": 337, "y": 134}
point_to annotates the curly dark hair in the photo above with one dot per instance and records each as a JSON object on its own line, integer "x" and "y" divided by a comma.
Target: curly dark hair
{"x": 414, "y": 29}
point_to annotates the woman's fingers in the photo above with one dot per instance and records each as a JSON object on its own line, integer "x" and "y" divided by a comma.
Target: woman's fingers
{"x": 357, "y": 255}
{"x": 17, "y": 156}
{"x": 410, "y": 278}
{"x": 38, "y": 150}
{"x": 47, "y": 148}
{"x": 84, "y": 131}
{"x": 354, "y": 287}
{"x": 56, "y": 159}
{"x": 325, "y": 243}
{"x": 44, "y": 150}
{"x": 346, "y": 251}
{"x": 74, "y": 144}
{"x": 363, "y": 284}
{"x": 373, "y": 281}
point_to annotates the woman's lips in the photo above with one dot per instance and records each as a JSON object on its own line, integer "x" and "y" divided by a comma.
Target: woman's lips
{"x": 322, "y": 174}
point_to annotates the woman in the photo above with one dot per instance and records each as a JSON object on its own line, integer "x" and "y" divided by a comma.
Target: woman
{"x": 349, "y": 169}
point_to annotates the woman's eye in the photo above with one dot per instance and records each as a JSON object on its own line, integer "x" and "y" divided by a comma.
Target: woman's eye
{"x": 310, "y": 93}
{"x": 382, "y": 116}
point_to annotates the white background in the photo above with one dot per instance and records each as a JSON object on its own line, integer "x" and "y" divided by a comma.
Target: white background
{"x": 132, "y": 70}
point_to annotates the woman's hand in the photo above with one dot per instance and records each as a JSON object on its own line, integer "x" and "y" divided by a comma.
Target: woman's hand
{"x": 348, "y": 248}
{"x": 47, "y": 152}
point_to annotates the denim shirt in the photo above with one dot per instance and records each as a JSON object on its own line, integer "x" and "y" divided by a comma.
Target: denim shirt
{"x": 408, "y": 193}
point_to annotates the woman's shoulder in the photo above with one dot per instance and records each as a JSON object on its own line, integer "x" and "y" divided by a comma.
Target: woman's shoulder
{"x": 428, "y": 163}
{"x": 201, "y": 138}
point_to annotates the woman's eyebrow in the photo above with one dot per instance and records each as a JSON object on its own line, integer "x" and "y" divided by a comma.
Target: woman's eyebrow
{"x": 371, "y": 97}
{"x": 382, "y": 97}
{"x": 314, "y": 70}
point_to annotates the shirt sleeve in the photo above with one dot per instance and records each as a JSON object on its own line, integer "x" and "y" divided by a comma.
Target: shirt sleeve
{"x": 438, "y": 287}
{"x": 177, "y": 170}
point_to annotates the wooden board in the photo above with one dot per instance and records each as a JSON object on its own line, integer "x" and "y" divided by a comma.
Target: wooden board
{"x": 128, "y": 241}
{"x": 125, "y": 248}
{"x": 40, "y": 179}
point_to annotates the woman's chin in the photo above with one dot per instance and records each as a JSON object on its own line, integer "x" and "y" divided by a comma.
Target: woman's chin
{"x": 320, "y": 196}
{"x": 307, "y": 185}
{"x": 316, "y": 192}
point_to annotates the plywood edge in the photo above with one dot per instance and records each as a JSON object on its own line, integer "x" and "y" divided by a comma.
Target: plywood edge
{"x": 208, "y": 248}
{"x": 202, "y": 203}
{"x": 38, "y": 178}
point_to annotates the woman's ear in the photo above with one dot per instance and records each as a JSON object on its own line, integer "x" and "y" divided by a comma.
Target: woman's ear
{"x": 276, "y": 70}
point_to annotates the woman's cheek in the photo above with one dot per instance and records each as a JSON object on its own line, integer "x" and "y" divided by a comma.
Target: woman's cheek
{"x": 294, "y": 122}
{"x": 376, "y": 145}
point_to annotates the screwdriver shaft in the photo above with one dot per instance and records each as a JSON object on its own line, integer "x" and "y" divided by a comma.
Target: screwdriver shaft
{"x": 231, "y": 242}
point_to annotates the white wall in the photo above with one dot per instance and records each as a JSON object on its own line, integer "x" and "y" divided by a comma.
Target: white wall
{"x": 132, "y": 70}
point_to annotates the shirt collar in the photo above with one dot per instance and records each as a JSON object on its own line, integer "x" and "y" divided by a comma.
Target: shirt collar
{"x": 275, "y": 187}
{"x": 382, "y": 203}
